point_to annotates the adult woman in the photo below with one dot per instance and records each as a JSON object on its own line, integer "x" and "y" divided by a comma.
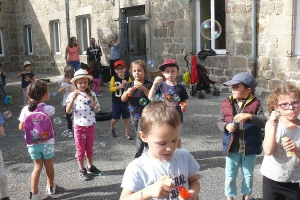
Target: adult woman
{"x": 72, "y": 54}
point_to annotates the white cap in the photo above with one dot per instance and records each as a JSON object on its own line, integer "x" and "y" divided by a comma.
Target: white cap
{"x": 26, "y": 63}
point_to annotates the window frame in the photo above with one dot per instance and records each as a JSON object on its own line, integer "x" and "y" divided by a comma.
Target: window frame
{"x": 27, "y": 39}
{"x": 57, "y": 50}
{"x": 198, "y": 27}
{"x": 297, "y": 38}
{"x": 88, "y": 32}
{"x": 1, "y": 40}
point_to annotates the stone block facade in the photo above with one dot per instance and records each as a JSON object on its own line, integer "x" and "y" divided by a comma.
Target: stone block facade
{"x": 171, "y": 34}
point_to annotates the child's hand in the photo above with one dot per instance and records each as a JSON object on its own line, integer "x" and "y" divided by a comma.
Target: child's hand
{"x": 242, "y": 117}
{"x": 193, "y": 195}
{"x": 274, "y": 117}
{"x": 231, "y": 127}
{"x": 124, "y": 83}
{"x": 288, "y": 145}
{"x": 161, "y": 188}
{"x": 75, "y": 94}
{"x": 158, "y": 79}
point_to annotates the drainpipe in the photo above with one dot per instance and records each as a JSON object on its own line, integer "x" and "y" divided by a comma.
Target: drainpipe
{"x": 67, "y": 19}
{"x": 254, "y": 34}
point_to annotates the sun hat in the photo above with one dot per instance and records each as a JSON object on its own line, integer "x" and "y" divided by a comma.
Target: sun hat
{"x": 168, "y": 63}
{"x": 242, "y": 77}
{"x": 81, "y": 73}
{"x": 119, "y": 62}
{"x": 26, "y": 63}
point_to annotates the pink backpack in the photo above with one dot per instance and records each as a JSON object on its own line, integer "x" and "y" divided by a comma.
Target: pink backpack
{"x": 38, "y": 127}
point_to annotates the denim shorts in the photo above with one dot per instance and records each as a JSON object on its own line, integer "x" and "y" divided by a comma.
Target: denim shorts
{"x": 45, "y": 151}
{"x": 118, "y": 109}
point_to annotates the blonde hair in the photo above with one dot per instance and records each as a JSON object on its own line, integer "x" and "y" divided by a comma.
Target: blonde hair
{"x": 157, "y": 113}
{"x": 272, "y": 99}
{"x": 140, "y": 63}
{"x": 88, "y": 89}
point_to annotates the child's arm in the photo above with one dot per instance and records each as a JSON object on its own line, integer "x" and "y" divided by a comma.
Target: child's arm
{"x": 153, "y": 88}
{"x": 258, "y": 120}
{"x": 21, "y": 126}
{"x": 70, "y": 104}
{"x": 1, "y": 130}
{"x": 112, "y": 85}
{"x": 269, "y": 143}
{"x": 31, "y": 79}
{"x": 160, "y": 189}
{"x": 62, "y": 88}
{"x": 20, "y": 74}
{"x": 144, "y": 89}
{"x": 194, "y": 187}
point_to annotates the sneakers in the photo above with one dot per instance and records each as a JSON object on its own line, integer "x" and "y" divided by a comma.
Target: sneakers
{"x": 51, "y": 190}
{"x": 84, "y": 175}
{"x": 249, "y": 198}
{"x": 113, "y": 132}
{"x": 95, "y": 171}
{"x": 38, "y": 196}
{"x": 99, "y": 95}
{"x": 70, "y": 134}
{"x": 128, "y": 136}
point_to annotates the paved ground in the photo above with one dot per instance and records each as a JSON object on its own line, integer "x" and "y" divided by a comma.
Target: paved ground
{"x": 201, "y": 138}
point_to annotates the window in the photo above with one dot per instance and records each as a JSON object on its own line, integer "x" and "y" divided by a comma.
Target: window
{"x": 1, "y": 43}
{"x": 56, "y": 37}
{"x": 211, "y": 23}
{"x": 83, "y": 32}
{"x": 28, "y": 30}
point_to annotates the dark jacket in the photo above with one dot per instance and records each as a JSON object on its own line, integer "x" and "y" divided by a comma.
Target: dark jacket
{"x": 247, "y": 138}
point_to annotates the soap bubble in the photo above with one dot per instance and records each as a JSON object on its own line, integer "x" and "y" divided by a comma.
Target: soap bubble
{"x": 158, "y": 95}
{"x": 172, "y": 90}
{"x": 7, "y": 114}
{"x": 102, "y": 144}
{"x": 65, "y": 133}
{"x": 51, "y": 110}
{"x": 206, "y": 29}
{"x": 143, "y": 101}
{"x": 57, "y": 120}
{"x": 130, "y": 108}
{"x": 137, "y": 116}
{"x": 150, "y": 64}
{"x": 54, "y": 94}
{"x": 83, "y": 136}
{"x": 176, "y": 97}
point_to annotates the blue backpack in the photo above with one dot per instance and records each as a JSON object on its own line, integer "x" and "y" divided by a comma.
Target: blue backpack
{"x": 8, "y": 100}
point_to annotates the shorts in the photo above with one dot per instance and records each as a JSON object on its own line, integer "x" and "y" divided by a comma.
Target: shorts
{"x": 45, "y": 151}
{"x": 118, "y": 109}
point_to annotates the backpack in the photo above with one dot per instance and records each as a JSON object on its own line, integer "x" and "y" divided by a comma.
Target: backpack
{"x": 38, "y": 127}
{"x": 8, "y": 100}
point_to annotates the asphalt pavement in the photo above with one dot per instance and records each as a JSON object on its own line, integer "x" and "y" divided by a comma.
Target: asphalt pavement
{"x": 200, "y": 136}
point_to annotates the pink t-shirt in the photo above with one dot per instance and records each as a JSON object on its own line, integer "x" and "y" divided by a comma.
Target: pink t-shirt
{"x": 73, "y": 53}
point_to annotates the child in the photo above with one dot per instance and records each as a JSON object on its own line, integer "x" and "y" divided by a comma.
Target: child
{"x": 170, "y": 90}
{"x": 137, "y": 94}
{"x": 242, "y": 139}
{"x": 2, "y": 82}
{"x": 3, "y": 176}
{"x": 117, "y": 85}
{"x": 27, "y": 77}
{"x": 95, "y": 72}
{"x": 162, "y": 169}
{"x": 67, "y": 87}
{"x": 84, "y": 103}
{"x": 42, "y": 152}
{"x": 281, "y": 165}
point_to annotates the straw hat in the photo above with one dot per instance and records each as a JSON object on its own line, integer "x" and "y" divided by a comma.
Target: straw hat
{"x": 81, "y": 73}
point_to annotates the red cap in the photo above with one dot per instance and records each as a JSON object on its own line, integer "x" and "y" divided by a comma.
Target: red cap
{"x": 168, "y": 63}
{"x": 120, "y": 62}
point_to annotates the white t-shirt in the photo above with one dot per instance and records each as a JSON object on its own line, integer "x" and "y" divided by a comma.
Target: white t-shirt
{"x": 84, "y": 115}
{"x": 144, "y": 171}
{"x": 49, "y": 110}
{"x": 66, "y": 91}
{"x": 278, "y": 167}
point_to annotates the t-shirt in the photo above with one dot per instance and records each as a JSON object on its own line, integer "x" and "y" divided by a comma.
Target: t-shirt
{"x": 278, "y": 167}
{"x": 66, "y": 92}
{"x": 114, "y": 52}
{"x": 25, "y": 81}
{"x": 137, "y": 96}
{"x": 116, "y": 94}
{"x": 144, "y": 171}
{"x": 173, "y": 94}
{"x": 94, "y": 53}
{"x": 49, "y": 110}
{"x": 84, "y": 115}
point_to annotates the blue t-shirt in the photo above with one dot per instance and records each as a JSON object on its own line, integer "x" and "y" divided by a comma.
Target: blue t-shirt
{"x": 25, "y": 81}
{"x": 173, "y": 94}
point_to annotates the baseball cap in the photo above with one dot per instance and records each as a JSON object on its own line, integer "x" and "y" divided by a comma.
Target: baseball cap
{"x": 119, "y": 62}
{"x": 26, "y": 63}
{"x": 242, "y": 77}
{"x": 168, "y": 63}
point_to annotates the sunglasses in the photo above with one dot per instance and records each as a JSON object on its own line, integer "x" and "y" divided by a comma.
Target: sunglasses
{"x": 285, "y": 106}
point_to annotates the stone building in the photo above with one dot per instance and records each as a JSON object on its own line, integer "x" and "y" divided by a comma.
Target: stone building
{"x": 155, "y": 30}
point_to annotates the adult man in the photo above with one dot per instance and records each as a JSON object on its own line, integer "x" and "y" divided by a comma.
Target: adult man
{"x": 93, "y": 52}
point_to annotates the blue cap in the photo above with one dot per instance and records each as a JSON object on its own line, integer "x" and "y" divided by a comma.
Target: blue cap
{"x": 243, "y": 77}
